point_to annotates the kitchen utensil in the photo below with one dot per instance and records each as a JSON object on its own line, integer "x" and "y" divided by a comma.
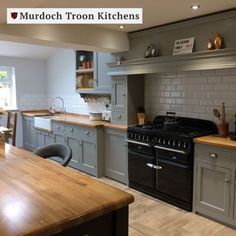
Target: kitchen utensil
{"x": 217, "y": 114}
{"x": 223, "y": 129}
{"x": 223, "y": 118}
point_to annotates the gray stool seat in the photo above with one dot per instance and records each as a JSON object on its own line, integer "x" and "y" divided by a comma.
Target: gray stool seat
{"x": 57, "y": 152}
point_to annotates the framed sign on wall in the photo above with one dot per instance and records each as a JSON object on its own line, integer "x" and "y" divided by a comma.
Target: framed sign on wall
{"x": 183, "y": 46}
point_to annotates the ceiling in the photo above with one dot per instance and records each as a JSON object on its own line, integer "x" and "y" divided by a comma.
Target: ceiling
{"x": 155, "y": 12}
{"x": 12, "y": 49}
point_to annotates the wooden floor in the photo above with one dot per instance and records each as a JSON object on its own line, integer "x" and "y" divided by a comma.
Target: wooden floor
{"x": 152, "y": 217}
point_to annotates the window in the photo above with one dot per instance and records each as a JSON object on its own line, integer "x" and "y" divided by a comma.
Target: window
{"x": 7, "y": 87}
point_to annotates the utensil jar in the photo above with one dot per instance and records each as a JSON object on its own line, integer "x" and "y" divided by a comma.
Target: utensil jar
{"x": 223, "y": 130}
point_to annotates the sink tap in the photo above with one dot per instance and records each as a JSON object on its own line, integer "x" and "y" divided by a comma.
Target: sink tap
{"x": 53, "y": 107}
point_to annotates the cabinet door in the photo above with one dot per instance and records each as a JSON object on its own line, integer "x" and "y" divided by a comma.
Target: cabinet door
{"x": 116, "y": 157}
{"x": 213, "y": 190}
{"x": 88, "y": 156}
{"x": 103, "y": 81}
{"x": 49, "y": 138}
{"x": 73, "y": 143}
{"x": 29, "y": 141}
{"x": 119, "y": 93}
{"x": 40, "y": 138}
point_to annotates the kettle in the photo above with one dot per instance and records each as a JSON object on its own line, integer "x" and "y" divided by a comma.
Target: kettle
{"x": 171, "y": 121}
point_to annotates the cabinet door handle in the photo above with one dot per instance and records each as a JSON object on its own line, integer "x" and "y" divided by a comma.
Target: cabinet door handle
{"x": 58, "y": 127}
{"x": 213, "y": 155}
{"x": 86, "y": 132}
{"x": 123, "y": 94}
{"x": 118, "y": 116}
{"x": 227, "y": 180}
{"x": 71, "y": 130}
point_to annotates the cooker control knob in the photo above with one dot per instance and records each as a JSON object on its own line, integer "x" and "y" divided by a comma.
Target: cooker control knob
{"x": 179, "y": 144}
{"x": 168, "y": 142}
{"x": 164, "y": 141}
{"x": 185, "y": 145}
{"x": 159, "y": 140}
{"x": 173, "y": 143}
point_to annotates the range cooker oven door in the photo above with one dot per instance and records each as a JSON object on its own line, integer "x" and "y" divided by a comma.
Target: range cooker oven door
{"x": 174, "y": 179}
{"x": 141, "y": 169}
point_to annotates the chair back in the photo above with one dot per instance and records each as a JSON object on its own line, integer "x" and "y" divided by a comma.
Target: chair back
{"x": 11, "y": 124}
{"x": 55, "y": 150}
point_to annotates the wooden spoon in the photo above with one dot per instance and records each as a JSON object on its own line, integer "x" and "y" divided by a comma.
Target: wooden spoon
{"x": 217, "y": 114}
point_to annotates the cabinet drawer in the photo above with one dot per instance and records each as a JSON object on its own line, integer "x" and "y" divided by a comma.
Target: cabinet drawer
{"x": 88, "y": 132}
{"x": 72, "y": 130}
{"x": 58, "y": 127}
{"x": 118, "y": 117}
{"x": 214, "y": 155}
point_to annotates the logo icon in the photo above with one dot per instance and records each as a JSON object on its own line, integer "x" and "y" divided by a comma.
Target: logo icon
{"x": 14, "y": 15}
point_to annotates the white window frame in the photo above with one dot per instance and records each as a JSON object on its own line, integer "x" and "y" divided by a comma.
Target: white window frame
{"x": 11, "y": 80}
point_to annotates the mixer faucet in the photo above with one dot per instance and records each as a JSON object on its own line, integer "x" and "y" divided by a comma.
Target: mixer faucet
{"x": 53, "y": 107}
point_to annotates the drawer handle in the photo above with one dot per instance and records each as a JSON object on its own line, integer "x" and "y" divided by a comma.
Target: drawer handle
{"x": 71, "y": 130}
{"x": 118, "y": 116}
{"x": 86, "y": 132}
{"x": 213, "y": 155}
{"x": 227, "y": 180}
{"x": 58, "y": 127}
{"x": 153, "y": 166}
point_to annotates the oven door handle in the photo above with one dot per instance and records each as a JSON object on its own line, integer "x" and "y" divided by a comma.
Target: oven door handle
{"x": 170, "y": 149}
{"x": 153, "y": 166}
{"x": 136, "y": 142}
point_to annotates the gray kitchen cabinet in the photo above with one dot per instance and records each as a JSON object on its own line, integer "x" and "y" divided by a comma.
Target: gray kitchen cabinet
{"x": 43, "y": 138}
{"x": 73, "y": 143}
{"x": 116, "y": 156}
{"x": 127, "y": 97}
{"x": 88, "y": 156}
{"x": 214, "y": 178}
{"x": 91, "y": 75}
{"x": 29, "y": 134}
{"x": 103, "y": 81}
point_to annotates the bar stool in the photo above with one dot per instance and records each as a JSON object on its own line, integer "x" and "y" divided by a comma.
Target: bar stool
{"x": 55, "y": 151}
{"x": 11, "y": 124}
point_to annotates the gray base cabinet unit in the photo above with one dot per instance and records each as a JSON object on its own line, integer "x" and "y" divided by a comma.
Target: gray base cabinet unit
{"x": 116, "y": 157}
{"x": 214, "y": 183}
{"x": 29, "y": 137}
{"x": 86, "y": 143}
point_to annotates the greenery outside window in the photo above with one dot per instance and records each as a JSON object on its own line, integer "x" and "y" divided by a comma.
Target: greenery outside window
{"x": 7, "y": 87}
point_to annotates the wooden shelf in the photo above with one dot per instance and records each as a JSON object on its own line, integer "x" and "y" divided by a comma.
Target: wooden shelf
{"x": 89, "y": 70}
{"x": 205, "y": 60}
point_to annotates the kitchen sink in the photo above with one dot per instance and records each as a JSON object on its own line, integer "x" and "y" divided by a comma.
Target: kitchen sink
{"x": 43, "y": 122}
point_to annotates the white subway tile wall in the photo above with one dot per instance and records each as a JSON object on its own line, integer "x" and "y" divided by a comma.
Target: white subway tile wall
{"x": 192, "y": 94}
{"x": 73, "y": 104}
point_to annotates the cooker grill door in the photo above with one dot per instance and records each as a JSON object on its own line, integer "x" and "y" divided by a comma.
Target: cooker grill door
{"x": 174, "y": 179}
{"x": 140, "y": 169}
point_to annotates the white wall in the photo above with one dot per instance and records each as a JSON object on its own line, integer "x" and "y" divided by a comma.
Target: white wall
{"x": 61, "y": 77}
{"x": 30, "y": 75}
{"x": 192, "y": 94}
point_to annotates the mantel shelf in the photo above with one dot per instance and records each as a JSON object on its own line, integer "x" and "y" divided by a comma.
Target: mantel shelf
{"x": 205, "y": 60}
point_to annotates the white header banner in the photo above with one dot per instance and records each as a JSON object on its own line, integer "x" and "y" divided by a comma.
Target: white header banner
{"x": 74, "y": 15}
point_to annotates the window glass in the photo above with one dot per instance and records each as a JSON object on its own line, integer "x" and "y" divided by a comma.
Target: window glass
{"x": 7, "y": 87}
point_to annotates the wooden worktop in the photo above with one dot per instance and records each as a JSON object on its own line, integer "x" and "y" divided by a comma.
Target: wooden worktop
{"x": 76, "y": 119}
{"x": 215, "y": 140}
{"x": 38, "y": 197}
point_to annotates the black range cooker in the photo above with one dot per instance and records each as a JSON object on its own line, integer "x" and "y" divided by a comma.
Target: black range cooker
{"x": 160, "y": 157}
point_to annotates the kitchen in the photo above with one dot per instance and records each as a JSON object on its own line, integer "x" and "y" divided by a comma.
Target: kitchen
{"x": 192, "y": 86}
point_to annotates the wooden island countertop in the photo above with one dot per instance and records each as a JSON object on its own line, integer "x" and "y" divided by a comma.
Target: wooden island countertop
{"x": 39, "y": 197}
{"x": 217, "y": 141}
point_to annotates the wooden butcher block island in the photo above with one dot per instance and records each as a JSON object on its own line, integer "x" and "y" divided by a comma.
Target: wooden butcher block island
{"x": 38, "y": 197}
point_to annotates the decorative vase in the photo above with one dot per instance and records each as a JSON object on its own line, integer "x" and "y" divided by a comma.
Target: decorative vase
{"x": 210, "y": 44}
{"x": 218, "y": 42}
